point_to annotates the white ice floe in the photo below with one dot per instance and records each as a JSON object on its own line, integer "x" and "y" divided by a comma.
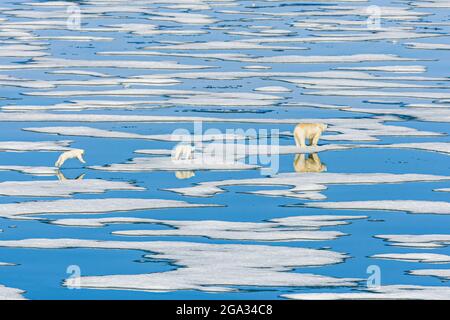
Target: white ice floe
{"x": 274, "y": 89}
{"x": 238, "y": 265}
{"x": 330, "y": 84}
{"x": 50, "y": 63}
{"x": 301, "y": 228}
{"x": 410, "y": 206}
{"x": 169, "y": 164}
{"x": 328, "y": 59}
{"x": 7, "y": 293}
{"x": 443, "y": 274}
{"x": 35, "y": 171}
{"x": 89, "y": 206}
{"x": 386, "y": 292}
{"x": 64, "y": 188}
{"x": 100, "y": 133}
{"x": 256, "y": 67}
{"x": 441, "y": 147}
{"x": 22, "y": 51}
{"x": 186, "y": 97}
{"x": 428, "y": 46}
{"x": 306, "y": 182}
{"x": 382, "y": 93}
{"x": 424, "y": 241}
{"x": 395, "y": 69}
{"x": 80, "y": 73}
{"x": 219, "y": 45}
{"x": 423, "y": 114}
{"x": 414, "y": 257}
{"x": 362, "y": 130}
{"x": 23, "y": 146}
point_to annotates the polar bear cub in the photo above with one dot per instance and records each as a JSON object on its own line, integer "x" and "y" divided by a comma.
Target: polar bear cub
{"x": 310, "y": 131}
{"x": 75, "y": 153}
{"x": 183, "y": 152}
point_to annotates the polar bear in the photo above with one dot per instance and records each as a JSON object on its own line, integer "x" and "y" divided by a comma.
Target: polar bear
{"x": 311, "y": 164}
{"x": 183, "y": 152}
{"x": 310, "y": 131}
{"x": 74, "y": 153}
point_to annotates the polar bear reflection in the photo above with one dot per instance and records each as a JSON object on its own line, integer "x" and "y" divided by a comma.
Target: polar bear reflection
{"x": 308, "y": 131}
{"x": 184, "y": 174}
{"x": 61, "y": 177}
{"x": 310, "y": 164}
{"x": 74, "y": 153}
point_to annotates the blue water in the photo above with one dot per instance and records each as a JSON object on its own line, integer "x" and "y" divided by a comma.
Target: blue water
{"x": 40, "y": 272}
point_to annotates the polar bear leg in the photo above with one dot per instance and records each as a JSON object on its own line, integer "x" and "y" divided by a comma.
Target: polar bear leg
{"x": 80, "y": 157}
{"x": 299, "y": 137}
{"x": 178, "y": 152}
{"x": 315, "y": 139}
{"x": 60, "y": 161}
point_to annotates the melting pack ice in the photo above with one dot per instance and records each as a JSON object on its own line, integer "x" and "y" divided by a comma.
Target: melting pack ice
{"x": 121, "y": 79}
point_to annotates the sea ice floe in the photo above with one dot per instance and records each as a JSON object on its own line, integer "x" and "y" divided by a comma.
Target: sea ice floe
{"x": 187, "y": 97}
{"x": 35, "y": 171}
{"x": 424, "y": 241}
{"x": 395, "y": 69}
{"x": 80, "y": 73}
{"x": 361, "y": 130}
{"x": 330, "y": 84}
{"x": 306, "y": 182}
{"x": 443, "y": 274}
{"x": 100, "y": 133}
{"x": 414, "y": 257}
{"x": 64, "y": 188}
{"x": 237, "y": 264}
{"x": 410, "y": 206}
{"x": 423, "y": 114}
{"x": 442, "y": 190}
{"x": 382, "y": 93}
{"x": 428, "y": 46}
{"x": 23, "y": 146}
{"x": 328, "y": 59}
{"x": 89, "y": 206}
{"x": 219, "y": 45}
{"x": 51, "y": 63}
{"x": 385, "y": 292}
{"x": 301, "y": 228}
{"x": 27, "y": 51}
{"x": 274, "y": 89}
{"x": 169, "y": 164}
{"x": 7, "y": 293}
{"x": 441, "y": 147}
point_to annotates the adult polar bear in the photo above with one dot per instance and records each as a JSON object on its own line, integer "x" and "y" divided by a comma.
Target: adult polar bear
{"x": 310, "y": 131}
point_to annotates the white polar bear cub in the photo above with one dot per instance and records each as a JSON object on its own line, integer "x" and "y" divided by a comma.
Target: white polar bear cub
{"x": 183, "y": 152}
{"x": 75, "y": 153}
{"x": 310, "y": 131}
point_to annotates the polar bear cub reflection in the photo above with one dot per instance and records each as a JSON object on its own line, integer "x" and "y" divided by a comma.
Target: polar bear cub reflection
{"x": 75, "y": 153}
{"x": 184, "y": 174}
{"x": 183, "y": 152}
{"x": 310, "y": 131}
